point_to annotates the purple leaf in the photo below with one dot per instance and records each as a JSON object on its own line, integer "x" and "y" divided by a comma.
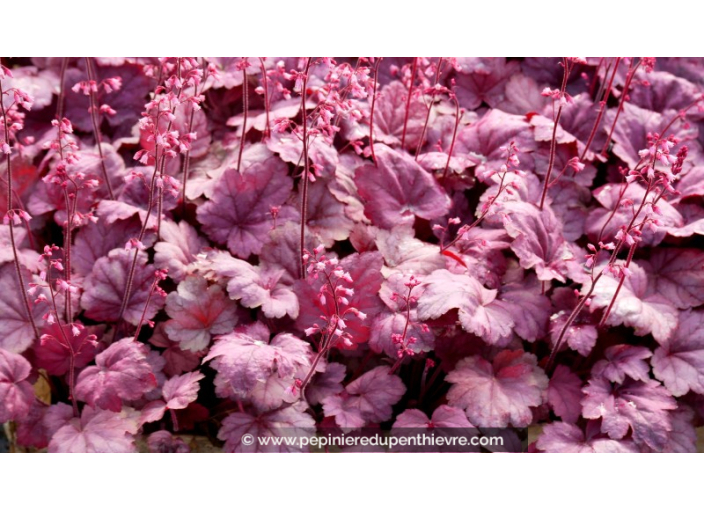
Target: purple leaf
{"x": 326, "y": 384}
{"x": 679, "y": 361}
{"x": 608, "y": 197}
{"x": 665, "y": 92}
{"x": 443, "y": 417}
{"x": 683, "y": 436}
{"x": 677, "y": 275}
{"x": 198, "y": 311}
{"x": 562, "y": 437}
{"x": 483, "y": 80}
{"x": 16, "y": 331}
{"x": 121, "y": 372}
{"x": 274, "y": 428}
{"x": 396, "y": 189}
{"x": 16, "y": 394}
{"x": 495, "y": 130}
{"x": 96, "y": 240}
{"x": 390, "y": 113}
{"x": 538, "y": 240}
{"x": 405, "y": 253}
{"x": 162, "y": 441}
{"x": 499, "y": 393}
{"x": 369, "y": 398}
{"x": 632, "y": 128}
{"x": 326, "y": 214}
{"x": 582, "y": 333}
{"x": 640, "y": 406}
{"x": 107, "y": 284}
{"x": 565, "y": 393}
{"x": 528, "y": 308}
{"x": 177, "y": 360}
{"x": 623, "y": 361}
{"x": 239, "y": 213}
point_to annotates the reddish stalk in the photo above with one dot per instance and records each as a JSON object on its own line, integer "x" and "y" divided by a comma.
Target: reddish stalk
{"x": 458, "y": 118}
{"x": 586, "y": 297}
{"x": 466, "y": 228}
{"x": 602, "y": 109}
{"x": 15, "y": 258}
{"x": 69, "y": 345}
{"x": 96, "y": 127}
{"x": 304, "y": 193}
{"x": 326, "y": 343}
{"x": 159, "y": 162}
{"x": 371, "y": 113}
{"x": 430, "y": 109}
{"x": 408, "y": 102}
{"x": 592, "y": 86}
{"x": 62, "y": 91}
{"x": 187, "y": 157}
{"x": 245, "y": 107}
{"x": 267, "y": 128}
{"x": 629, "y": 78}
{"x": 622, "y": 278}
{"x": 556, "y": 122}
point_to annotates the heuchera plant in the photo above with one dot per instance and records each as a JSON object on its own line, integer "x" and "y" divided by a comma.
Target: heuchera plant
{"x": 212, "y": 247}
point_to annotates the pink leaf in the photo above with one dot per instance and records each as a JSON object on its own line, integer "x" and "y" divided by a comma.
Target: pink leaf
{"x": 640, "y": 406}
{"x": 246, "y": 356}
{"x": 479, "y": 311}
{"x": 96, "y": 431}
{"x": 181, "y": 390}
{"x": 368, "y": 398}
{"x": 499, "y": 393}
{"x": 562, "y": 437}
{"x": 16, "y": 394}
{"x": 256, "y": 286}
{"x": 53, "y": 353}
{"x": 679, "y": 361}
{"x": 244, "y": 433}
{"x": 16, "y": 331}
{"x": 623, "y": 361}
{"x": 364, "y": 269}
{"x": 538, "y": 240}
{"x": 121, "y": 372}
{"x": 635, "y": 306}
{"x": 677, "y": 275}
{"x": 178, "y": 248}
{"x": 198, "y": 311}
